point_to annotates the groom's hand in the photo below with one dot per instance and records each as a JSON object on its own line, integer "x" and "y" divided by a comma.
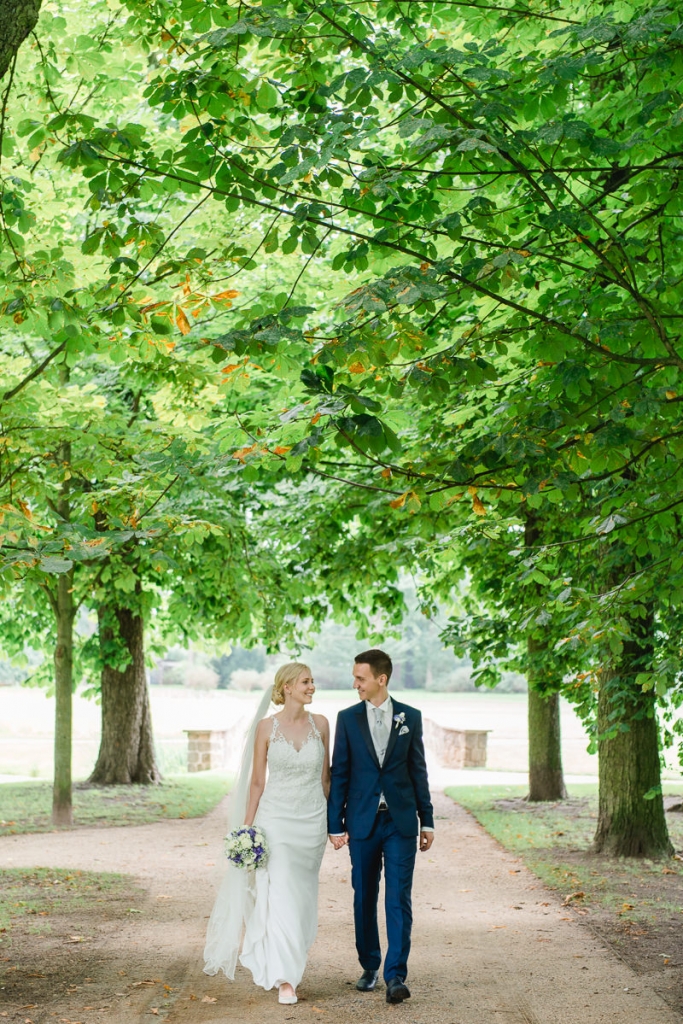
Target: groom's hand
{"x": 426, "y": 840}
{"x": 339, "y": 841}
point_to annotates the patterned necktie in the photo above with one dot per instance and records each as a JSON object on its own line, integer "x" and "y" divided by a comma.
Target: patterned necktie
{"x": 381, "y": 733}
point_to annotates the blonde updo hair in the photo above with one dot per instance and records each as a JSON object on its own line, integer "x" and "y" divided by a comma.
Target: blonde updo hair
{"x": 286, "y": 674}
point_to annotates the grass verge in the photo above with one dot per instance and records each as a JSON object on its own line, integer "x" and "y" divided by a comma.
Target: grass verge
{"x": 636, "y": 906}
{"x": 30, "y": 897}
{"x": 26, "y": 806}
{"x": 554, "y": 840}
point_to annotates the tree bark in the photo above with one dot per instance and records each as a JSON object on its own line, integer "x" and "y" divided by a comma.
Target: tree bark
{"x": 546, "y": 778}
{"x": 65, "y": 612}
{"x": 127, "y": 747}
{"x": 62, "y": 813}
{"x": 17, "y": 20}
{"x": 630, "y": 824}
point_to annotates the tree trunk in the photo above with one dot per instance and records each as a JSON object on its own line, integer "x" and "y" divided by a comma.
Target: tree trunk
{"x": 631, "y": 820}
{"x": 64, "y": 608}
{"x": 17, "y": 19}
{"x": 63, "y": 658}
{"x": 546, "y": 779}
{"x": 127, "y": 746}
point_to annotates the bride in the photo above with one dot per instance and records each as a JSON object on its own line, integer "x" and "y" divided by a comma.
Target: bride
{"x": 282, "y": 787}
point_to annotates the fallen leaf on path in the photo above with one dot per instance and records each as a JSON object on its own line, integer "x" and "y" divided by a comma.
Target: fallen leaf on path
{"x": 494, "y": 926}
{"x": 572, "y": 896}
{"x": 147, "y": 981}
{"x": 155, "y": 1011}
{"x": 209, "y": 999}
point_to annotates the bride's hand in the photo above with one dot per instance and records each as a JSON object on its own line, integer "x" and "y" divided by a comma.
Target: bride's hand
{"x": 339, "y": 841}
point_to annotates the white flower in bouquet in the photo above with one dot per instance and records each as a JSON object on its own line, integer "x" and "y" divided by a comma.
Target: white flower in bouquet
{"x": 246, "y": 847}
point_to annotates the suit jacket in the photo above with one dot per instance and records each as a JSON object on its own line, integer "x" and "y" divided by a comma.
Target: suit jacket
{"x": 358, "y": 779}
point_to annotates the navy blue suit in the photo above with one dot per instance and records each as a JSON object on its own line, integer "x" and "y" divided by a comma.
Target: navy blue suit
{"x": 377, "y": 838}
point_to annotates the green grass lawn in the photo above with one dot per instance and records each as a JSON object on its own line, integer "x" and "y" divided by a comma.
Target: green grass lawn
{"x": 26, "y": 806}
{"x": 34, "y": 894}
{"x": 554, "y": 839}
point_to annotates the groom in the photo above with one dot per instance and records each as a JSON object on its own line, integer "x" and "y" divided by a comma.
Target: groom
{"x": 379, "y": 801}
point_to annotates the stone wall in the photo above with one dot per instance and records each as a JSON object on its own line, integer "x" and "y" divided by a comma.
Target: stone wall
{"x": 456, "y": 748}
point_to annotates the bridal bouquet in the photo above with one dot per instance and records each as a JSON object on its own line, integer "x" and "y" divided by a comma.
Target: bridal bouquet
{"x": 246, "y": 847}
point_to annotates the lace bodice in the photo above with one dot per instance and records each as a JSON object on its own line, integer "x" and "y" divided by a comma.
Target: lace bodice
{"x": 295, "y": 776}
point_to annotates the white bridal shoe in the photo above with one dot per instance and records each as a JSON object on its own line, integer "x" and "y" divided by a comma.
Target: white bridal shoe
{"x": 288, "y": 1000}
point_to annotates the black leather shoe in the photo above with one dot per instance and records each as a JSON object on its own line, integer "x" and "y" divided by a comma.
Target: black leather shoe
{"x": 367, "y": 981}
{"x": 397, "y": 990}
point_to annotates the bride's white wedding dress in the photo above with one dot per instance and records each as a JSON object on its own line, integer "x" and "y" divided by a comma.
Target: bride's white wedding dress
{"x": 281, "y": 906}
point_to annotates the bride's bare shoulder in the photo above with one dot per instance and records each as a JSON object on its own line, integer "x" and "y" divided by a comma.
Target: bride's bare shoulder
{"x": 321, "y": 722}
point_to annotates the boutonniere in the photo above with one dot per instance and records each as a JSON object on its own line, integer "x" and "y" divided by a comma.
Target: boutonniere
{"x": 399, "y": 719}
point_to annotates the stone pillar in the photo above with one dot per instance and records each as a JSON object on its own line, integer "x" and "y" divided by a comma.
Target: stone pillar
{"x": 205, "y": 749}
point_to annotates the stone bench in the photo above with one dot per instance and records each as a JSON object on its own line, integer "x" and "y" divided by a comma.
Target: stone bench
{"x": 206, "y": 749}
{"x": 456, "y": 748}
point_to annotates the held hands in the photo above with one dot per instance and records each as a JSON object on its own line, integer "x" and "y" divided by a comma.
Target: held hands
{"x": 426, "y": 840}
{"x": 339, "y": 841}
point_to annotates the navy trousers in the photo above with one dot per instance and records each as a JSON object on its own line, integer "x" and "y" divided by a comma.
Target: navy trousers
{"x": 384, "y": 847}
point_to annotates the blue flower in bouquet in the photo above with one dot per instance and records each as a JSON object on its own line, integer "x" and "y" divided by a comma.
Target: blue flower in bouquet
{"x": 246, "y": 847}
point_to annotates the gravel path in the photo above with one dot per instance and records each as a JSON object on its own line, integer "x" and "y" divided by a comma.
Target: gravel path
{"x": 490, "y": 943}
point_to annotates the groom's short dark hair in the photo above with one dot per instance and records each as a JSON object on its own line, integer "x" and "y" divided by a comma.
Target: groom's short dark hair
{"x": 379, "y": 662}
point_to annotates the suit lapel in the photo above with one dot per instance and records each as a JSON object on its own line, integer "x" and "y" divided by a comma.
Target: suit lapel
{"x": 365, "y": 732}
{"x": 393, "y": 736}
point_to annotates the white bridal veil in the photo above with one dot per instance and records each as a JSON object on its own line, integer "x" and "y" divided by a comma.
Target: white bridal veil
{"x": 236, "y": 894}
